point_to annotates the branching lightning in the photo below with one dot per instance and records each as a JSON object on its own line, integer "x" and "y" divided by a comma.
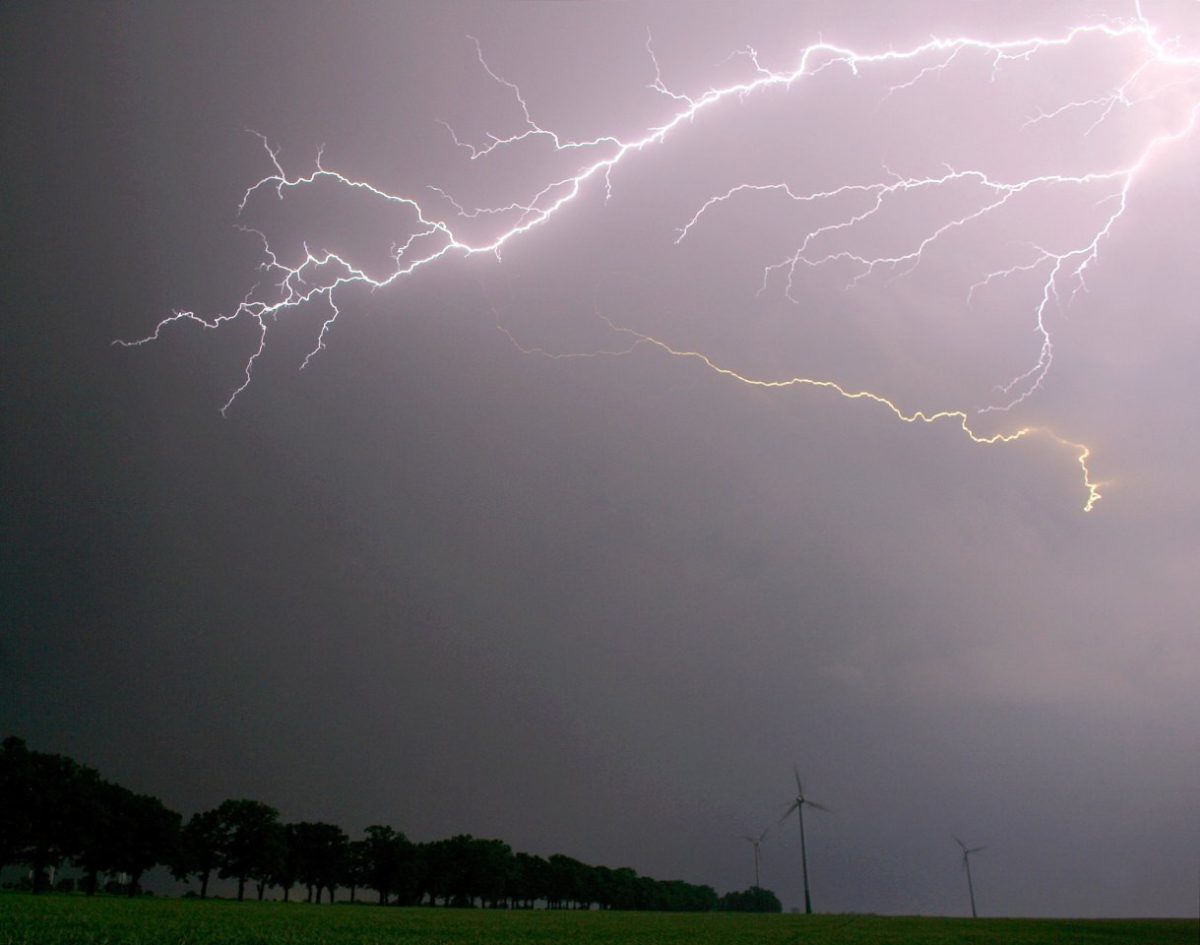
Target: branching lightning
{"x": 957, "y": 417}
{"x": 434, "y": 220}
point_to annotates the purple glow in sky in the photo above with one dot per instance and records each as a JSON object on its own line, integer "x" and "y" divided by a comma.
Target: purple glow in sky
{"x": 872, "y": 226}
{"x": 687, "y": 391}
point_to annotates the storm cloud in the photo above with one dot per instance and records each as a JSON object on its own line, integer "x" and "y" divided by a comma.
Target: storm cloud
{"x": 447, "y": 579}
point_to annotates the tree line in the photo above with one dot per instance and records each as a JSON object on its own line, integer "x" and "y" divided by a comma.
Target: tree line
{"x": 55, "y": 811}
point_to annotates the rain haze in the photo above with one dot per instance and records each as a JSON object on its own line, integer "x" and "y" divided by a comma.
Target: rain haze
{"x": 521, "y": 553}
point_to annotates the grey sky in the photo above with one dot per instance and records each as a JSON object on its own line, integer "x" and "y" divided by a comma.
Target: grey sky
{"x": 599, "y": 606}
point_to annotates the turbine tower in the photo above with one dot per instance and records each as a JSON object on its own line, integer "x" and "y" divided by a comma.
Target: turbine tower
{"x": 966, "y": 853}
{"x": 798, "y": 806}
{"x": 755, "y": 842}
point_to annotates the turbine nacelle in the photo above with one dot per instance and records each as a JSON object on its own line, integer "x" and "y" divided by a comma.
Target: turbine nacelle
{"x": 755, "y": 841}
{"x": 966, "y": 850}
{"x": 801, "y": 800}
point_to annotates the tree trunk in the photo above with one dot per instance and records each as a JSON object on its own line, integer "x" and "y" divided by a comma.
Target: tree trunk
{"x": 287, "y": 893}
{"x": 331, "y": 889}
{"x": 262, "y": 887}
{"x": 383, "y": 897}
{"x": 90, "y": 882}
{"x": 352, "y": 891}
{"x": 39, "y": 868}
{"x": 308, "y": 897}
{"x": 241, "y": 888}
{"x": 204, "y": 884}
{"x": 134, "y": 883}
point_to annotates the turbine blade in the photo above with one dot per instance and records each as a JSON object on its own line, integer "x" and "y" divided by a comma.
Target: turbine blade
{"x": 976, "y": 849}
{"x": 817, "y": 806}
{"x": 788, "y": 813}
{"x": 960, "y": 843}
{"x": 799, "y": 786}
{"x": 763, "y": 836}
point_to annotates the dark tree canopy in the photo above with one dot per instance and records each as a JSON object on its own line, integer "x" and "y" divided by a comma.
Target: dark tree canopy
{"x": 54, "y": 811}
{"x": 754, "y": 899}
{"x": 320, "y": 850}
{"x": 201, "y": 843}
{"x": 250, "y": 830}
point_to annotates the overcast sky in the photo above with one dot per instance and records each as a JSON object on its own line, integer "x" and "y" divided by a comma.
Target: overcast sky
{"x": 600, "y": 606}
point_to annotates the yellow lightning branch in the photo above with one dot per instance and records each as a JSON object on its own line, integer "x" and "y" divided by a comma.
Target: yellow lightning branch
{"x": 1082, "y": 452}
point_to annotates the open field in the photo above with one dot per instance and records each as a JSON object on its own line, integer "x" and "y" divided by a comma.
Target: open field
{"x": 58, "y": 920}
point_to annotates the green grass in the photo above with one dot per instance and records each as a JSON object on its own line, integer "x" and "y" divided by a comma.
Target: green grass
{"x": 58, "y": 920}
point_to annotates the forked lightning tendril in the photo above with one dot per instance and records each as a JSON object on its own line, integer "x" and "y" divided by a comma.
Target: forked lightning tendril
{"x": 1159, "y": 70}
{"x": 956, "y": 417}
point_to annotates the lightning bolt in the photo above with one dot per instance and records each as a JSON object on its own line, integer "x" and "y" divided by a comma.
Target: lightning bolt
{"x": 959, "y": 418}
{"x": 434, "y": 220}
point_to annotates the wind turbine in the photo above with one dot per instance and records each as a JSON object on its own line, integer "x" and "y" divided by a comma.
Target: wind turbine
{"x": 798, "y": 806}
{"x": 754, "y": 842}
{"x": 966, "y": 852}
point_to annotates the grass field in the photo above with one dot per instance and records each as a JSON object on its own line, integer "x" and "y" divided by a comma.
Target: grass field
{"x": 58, "y": 920}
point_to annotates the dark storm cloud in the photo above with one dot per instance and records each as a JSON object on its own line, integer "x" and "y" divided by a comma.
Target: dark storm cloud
{"x": 595, "y": 606}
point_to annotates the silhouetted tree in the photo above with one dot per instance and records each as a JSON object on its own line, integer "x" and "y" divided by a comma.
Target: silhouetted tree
{"x": 320, "y": 853}
{"x": 446, "y": 870}
{"x": 606, "y": 886}
{"x": 99, "y": 833}
{"x": 648, "y": 895}
{"x": 487, "y": 868}
{"x": 624, "y": 892}
{"x": 146, "y": 834}
{"x": 526, "y": 880}
{"x": 356, "y": 867}
{"x": 249, "y": 828}
{"x": 273, "y": 851}
{"x": 201, "y": 844}
{"x": 18, "y": 789}
{"x": 55, "y": 809}
{"x": 287, "y": 863}
{"x": 52, "y": 809}
{"x": 45, "y": 807}
{"x": 410, "y": 871}
{"x": 754, "y": 899}
{"x": 389, "y": 862}
{"x": 568, "y": 882}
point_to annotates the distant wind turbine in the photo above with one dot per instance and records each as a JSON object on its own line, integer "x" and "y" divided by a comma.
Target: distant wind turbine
{"x": 798, "y": 806}
{"x": 755, "y": 842}
{"x": 966, "y": 852}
